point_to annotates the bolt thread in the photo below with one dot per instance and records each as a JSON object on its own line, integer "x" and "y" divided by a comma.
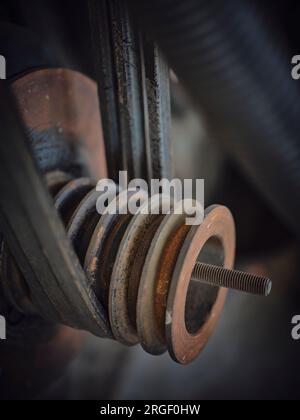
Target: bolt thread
{"x": 232, "y": 279}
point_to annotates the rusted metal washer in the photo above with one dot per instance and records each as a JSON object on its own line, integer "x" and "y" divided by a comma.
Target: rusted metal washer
{"x": 184, "y": 346}
{"x": 82, "y": 224}
{"x": 155, "y": 279}
{"x": 121, "y": 324}
{"x": 104, "y": 246}
{"x": 70, "y": 196}
{"x": 56, "y": 180}
{"x": 136, "y": 272}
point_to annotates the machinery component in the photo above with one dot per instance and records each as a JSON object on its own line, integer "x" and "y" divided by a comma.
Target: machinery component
{"x": 134, "y": 284}
{"x": 118, "y": 251}
{"x": 233, "y": 279}
{"x": 133, "y": 81}
{"x": 144, "y": 295}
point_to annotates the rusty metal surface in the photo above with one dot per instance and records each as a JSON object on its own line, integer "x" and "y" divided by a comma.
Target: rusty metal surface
{"x": 117, "y": 252}
{"x": 154, "y": 284}
{"x": 136, "y": 272}
{"x": 59, "y": 108}
{"x": 103, "y": 247}
{"x": 183, "y": 345}
{"x": 121, "y": 324}
{"x": 110, "y": 293}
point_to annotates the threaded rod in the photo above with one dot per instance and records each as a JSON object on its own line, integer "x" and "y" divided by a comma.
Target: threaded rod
{"x": 232, "y": 279}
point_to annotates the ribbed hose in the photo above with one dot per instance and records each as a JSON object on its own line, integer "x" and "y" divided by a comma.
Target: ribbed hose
{"x": 235, "y": 71}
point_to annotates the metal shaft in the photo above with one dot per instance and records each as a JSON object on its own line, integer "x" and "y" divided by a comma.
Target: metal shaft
{"x": 232, "y": 279}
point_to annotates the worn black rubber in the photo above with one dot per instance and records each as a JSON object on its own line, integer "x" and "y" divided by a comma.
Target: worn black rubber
{"x": 239, "y": 73}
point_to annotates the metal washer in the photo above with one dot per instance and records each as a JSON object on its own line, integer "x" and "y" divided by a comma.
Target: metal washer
{"x": 150, "y": 332}
{"x": 122, "y": 327}
{"x": 183, "y": 346}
